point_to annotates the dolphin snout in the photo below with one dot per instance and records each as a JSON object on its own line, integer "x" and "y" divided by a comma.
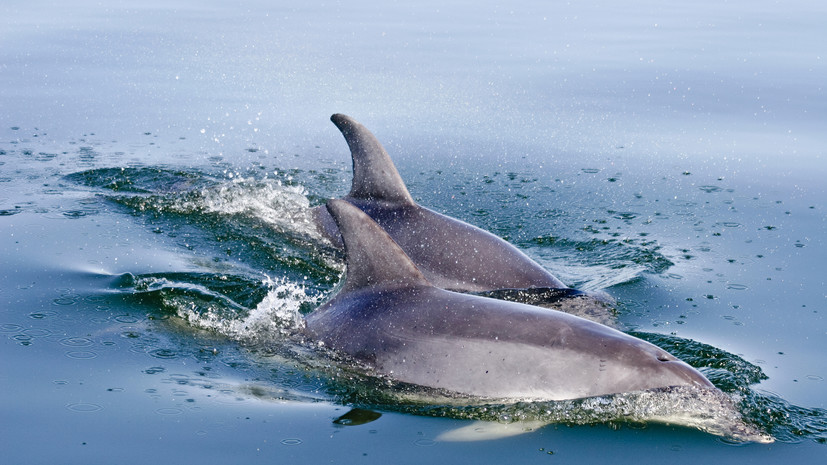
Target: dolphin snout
{"x": 683, "y": 371}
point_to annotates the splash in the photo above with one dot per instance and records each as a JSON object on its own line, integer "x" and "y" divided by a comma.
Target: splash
{"x": 280, "y": 312}
{"x": 209, "y": 302}
{"x": 281, "y": 204}
{"x": 284, "y": 207}
{"x": 708, "y": 410}
{"x": 597, "y": 264}
{"x": 276, "y": 316}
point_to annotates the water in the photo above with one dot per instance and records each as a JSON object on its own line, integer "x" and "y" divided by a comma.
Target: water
{"x": 157, "y": 160}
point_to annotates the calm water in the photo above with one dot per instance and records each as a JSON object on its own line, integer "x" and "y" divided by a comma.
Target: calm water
{"x": 157, "y": 160}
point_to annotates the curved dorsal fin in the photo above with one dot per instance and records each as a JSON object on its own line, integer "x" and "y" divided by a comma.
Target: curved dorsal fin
{"x": 373, "y": 258}
{"x": 374, "y": 175}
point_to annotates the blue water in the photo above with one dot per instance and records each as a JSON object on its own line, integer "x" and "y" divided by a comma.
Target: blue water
{"x": 156, "y": 161}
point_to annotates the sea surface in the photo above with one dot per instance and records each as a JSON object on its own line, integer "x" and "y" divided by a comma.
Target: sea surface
{"x": 158, "y": 161}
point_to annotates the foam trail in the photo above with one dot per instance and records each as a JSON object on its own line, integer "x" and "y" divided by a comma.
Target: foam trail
{"x": 275, "y": 316}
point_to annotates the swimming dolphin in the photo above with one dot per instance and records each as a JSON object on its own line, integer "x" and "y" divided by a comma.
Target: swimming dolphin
{"x": 389, "y": 316}
{"x": 450, "y": 253}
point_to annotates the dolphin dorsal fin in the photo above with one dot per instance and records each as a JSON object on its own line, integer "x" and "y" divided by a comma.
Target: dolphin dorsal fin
{"x": 374, "y": 175}
{"x": 373, "y": 258}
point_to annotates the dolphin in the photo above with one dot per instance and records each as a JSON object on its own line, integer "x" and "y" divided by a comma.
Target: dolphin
{"x": 389, "y": 316}
{"x": 450, "y": 253}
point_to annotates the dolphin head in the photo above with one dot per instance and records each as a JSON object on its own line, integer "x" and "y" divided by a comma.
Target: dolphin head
{"x": 641, "y": 365}
{"x": 676, "y": 372}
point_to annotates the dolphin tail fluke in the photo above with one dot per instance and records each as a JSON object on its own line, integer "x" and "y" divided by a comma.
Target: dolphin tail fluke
{"x": 373, "y": 258}
{"x": 374, "y": 175}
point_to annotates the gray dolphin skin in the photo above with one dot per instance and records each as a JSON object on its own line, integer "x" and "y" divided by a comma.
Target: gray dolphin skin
{"x": 388, "y": 315}
{"x": 450, "y": 253}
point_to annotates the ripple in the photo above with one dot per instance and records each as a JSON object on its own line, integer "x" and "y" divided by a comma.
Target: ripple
{"x": 84, "y": 407}
{"x": 424, "y": 442}
{"x": 169, "y": 411}
{"x": 76, "y": 342}
{"x": 10, "y": 328}
{"x": 66, "y": 300}
{"x": 737, "y": 287}
{"x": 41, "y": 315}
{"x": 23, "y": 339}
{"x": 139, "y": 348}
{"x": 179, "y": 378}
{"x": 710, "y": 189}
{"x": 165, "y": 354}
{"x": 37, "y": 332}
{"x": 45, "y": 156}
{"x": 73, "y": 214}
{"x": 624, "y": 215}
{"x": 291, "y": 441}
{"x": 81, "y": 355}
{"x": 154, "y": 370}
{"x": 126, "y": 319}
